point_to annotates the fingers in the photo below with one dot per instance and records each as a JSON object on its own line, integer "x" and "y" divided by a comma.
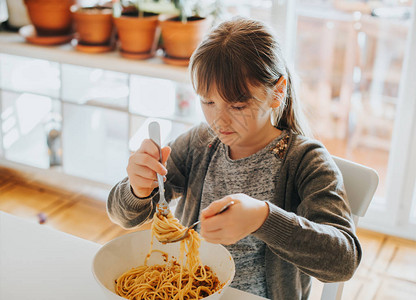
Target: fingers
{"x": 143, "y": 166}
{"x": 214, "y": 238}
{"x": 215, "y": 207}
{"x": 149, "y": 147}
{"x": 148, "y": 156}
{"x": 141, "y": 176}
{"x": 221, "y": 236}
{"x": 212, "y": 223}
{"x": 165, "y": 154}
{"x": 240, "y": 220}
{"x": 146, "y": 165}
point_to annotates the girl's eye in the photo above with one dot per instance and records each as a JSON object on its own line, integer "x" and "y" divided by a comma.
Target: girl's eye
{"x": 240, "y": 107}
{"x": 207, "y": 102}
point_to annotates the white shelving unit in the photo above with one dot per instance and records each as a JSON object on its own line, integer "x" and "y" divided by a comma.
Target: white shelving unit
{"x": 12, "y": 43}
{"x": 101, "y": 104}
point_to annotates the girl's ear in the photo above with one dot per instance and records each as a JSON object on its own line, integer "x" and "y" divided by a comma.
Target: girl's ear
{"x": 279, "y": 92}
{"x": 275, "y": 103}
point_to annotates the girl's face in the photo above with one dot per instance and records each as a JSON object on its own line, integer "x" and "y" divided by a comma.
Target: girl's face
{"x": 243, "y": 126}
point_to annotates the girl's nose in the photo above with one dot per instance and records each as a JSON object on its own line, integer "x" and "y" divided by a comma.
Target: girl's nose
{"x": 223, "y": 117}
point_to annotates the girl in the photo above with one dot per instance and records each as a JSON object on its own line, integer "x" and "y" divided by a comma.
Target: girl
{"x": 291, "y": 218}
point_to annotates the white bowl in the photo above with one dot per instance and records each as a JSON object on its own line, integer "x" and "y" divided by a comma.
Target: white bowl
{"x": 129, "y": 251}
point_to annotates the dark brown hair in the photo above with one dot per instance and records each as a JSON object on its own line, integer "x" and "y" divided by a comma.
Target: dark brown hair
{"x": 241, "y": 53}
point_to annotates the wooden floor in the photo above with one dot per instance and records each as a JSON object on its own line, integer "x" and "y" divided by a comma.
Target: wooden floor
{"x": 387, "y": 270}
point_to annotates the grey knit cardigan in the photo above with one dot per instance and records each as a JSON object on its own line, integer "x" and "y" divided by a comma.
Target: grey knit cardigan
{"x": 309, "y": 230}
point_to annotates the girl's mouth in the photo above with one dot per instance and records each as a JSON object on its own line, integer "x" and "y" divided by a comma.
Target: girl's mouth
{"x": 225, "y": 132}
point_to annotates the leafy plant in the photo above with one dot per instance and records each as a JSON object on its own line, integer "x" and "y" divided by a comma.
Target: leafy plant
{"x": 140, "y": 7}
{"x": 198, "y": 8}
{"x": 183, "y": 8}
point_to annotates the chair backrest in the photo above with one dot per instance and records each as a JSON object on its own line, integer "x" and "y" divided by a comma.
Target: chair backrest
{"x": 360, "y": 184}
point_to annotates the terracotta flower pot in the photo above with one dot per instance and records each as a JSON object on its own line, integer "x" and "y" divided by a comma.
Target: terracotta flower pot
{"x": 137, "y": 35}
{"x": 93, "y": 25}
{"x": 50, "y": 17}
{"x": 181, "y": 39}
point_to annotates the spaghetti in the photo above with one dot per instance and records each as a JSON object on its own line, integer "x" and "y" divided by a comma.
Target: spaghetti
{"x": 172, "y": 280}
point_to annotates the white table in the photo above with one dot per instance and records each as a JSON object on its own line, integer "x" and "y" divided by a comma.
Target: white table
{"x": 40, "y": 263}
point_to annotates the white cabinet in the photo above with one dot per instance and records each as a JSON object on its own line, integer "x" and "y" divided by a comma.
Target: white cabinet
{"x": 81, "y": 114}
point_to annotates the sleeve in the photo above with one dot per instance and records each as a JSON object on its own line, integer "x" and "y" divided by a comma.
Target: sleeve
{"x": 320, "y": 237}
{"x": 127, "y": 210}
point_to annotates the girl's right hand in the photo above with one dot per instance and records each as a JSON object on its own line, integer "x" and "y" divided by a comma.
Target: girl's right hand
{"x": 143, "y": 166}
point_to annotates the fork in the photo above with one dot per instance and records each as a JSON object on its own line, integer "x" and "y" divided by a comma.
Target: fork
{"x": 162, "y": 207}
{"x": 185, "y": 234}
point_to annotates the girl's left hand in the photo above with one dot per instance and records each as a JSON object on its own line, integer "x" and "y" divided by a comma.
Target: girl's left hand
{"x": 240, "y": 220}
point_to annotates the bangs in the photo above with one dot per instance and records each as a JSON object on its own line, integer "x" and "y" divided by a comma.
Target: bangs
{"x": 235, "y": 56}
{"x": 220, "y": 71}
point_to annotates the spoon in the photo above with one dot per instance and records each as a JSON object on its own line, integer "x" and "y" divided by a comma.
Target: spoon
{"x": 162, "y": 207}
{"x": 185, "y": 234}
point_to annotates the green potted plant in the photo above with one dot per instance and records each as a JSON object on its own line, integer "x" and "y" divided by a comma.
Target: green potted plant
{"x": 94, "y": 27}
{"x": 137, "y": 28}
{"x": 182, "y": 33}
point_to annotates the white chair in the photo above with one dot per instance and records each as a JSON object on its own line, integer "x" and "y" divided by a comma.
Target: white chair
{"x": 361, "y": 184}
